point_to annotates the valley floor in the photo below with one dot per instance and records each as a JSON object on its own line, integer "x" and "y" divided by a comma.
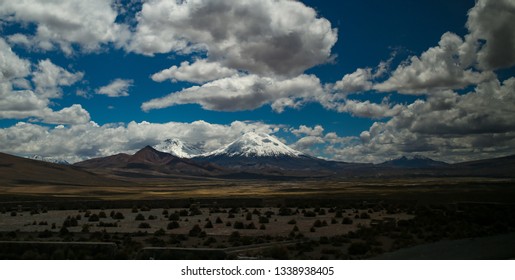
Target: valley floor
{"x": 218, "y": 219}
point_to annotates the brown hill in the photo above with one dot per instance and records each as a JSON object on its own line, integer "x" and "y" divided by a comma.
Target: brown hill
{"x": 150, "y": 162}
{"x": 21, "y": 171}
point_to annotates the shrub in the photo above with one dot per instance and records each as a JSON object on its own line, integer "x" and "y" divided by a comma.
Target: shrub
{"x": 102, "y": 224}
{"x": 208, "y": 225}
{"x": 251, "y": 226}
{"x": 364, "y": 215}
{"x": 228, "y": 224}
{"x": 70, "y": 222}
{"x": 263, "y": 220}
{"x": 165, "y": 212}
{"x": 14, "y": 214}
{"x": 219, "y": 220}
{"x": 347, "y": 221}
{"x": 310, "y": 214}
{"x": 140, "y": 217}
{"x": 195, "y": 231}
{"x": 334, "y": 221}
{"x": 152, "y": 217}
{"x": 183, "y": 213}
{"x": 93, "y": 218}
{"x": 292, "y": 222}
{"x": 238, "y": 225}
{"x": 262, "y": 227}
{"x": 248, "y": 217}
{"x": 144, "y": 225}
{"x": 173, "y": 225}
{"x": 321, "y": 211}
{"x": 159, "y": 232}
{"x": 283, "y": 211}
{"x": 317, "y": 223}
{"x": 119, "y": 216}
{"x": 102, "y": 215}
{"x": 174, "y": 217}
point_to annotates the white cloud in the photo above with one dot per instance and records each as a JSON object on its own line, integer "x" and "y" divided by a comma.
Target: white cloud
{"x": 244, "y": 93}
{"x": 492, "y": 21}
{"x": 49, "y": 78}
{"x": 259, "y": 36}
{"x": 11, "y": 66}
{"x": 306, "y": 130}
{"x": 116, "y": 88}
{"x": 358, "y": 81}
{"x": 88, "y": 24}
{"x": 367, "y": 109}
{"x": 199, "y": 72}
{"x": 19, "y": 101}
{"x": 447, "y": 126}
{"x": 439, "y": 68}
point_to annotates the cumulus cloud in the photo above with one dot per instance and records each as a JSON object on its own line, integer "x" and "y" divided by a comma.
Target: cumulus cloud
{"x": 248, "y": 92}
{"x": 11, "y": 66}
{"x": 88, "y": 24}
{"x": 116, "y": 88}
{"x": 447, "y": 126}
{"x": 82, "y": 141}
{"x": 492, "y": 21}
{"x": 199, "y": 72}
{"x": 439, "y": 68}
{"x": 358, "y": 81}
{"x": 253, "y": 36}
{"x": 367, "y": 109}
{"x": 18, "y": 100}
{"x": 306, "y": 130}
{"x": 49, "y": 78}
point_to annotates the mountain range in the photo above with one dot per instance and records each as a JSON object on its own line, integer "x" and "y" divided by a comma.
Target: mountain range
{"x": 261, "y": 156}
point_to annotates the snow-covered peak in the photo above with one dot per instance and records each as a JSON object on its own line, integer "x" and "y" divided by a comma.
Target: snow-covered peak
{"x": 177, "y": 148}
{"x": 252, "y": 144}
{"x": 49, "y": 159}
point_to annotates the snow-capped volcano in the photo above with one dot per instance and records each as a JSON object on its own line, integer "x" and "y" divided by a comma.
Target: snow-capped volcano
{"x": 177, "y": 148}
{"x": 49, "y": 159}
{"x": 252, "y": 144}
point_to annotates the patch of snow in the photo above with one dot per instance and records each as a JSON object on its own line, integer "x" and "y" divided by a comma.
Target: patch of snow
{"x": 177, "y": 148}
{"x": 252, "y": 144}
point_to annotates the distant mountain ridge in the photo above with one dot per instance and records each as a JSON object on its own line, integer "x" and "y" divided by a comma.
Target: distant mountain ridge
{"x": 49, "y": 159}
{"x": 149, "y": 160}
{"x": 416, "y": 161}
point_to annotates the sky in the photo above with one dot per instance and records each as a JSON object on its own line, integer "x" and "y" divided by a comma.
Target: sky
{"x": 355, "y": 81}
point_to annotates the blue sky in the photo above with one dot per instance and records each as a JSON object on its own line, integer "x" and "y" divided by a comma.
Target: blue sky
{"x": 361, "y": 81}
